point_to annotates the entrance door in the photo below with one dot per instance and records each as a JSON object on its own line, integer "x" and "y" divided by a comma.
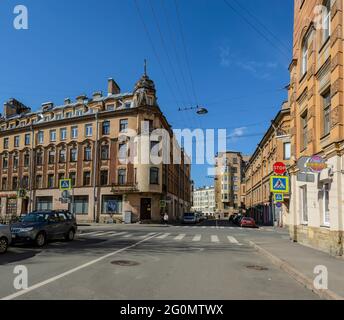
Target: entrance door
{"x": 25, "y": 206}
{"x": 146, "y": 209}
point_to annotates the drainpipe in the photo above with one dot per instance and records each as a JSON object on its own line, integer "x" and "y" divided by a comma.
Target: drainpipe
{"x": 95, "y": 165}
{"x": 32, "y": 163}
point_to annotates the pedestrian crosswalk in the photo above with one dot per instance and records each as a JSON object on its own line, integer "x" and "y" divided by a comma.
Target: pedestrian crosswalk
{"x": 178, "y": 237}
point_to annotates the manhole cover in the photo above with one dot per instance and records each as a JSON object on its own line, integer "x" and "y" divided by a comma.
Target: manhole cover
{"x": 125, "y": 263}
{"x": 257, "y": 268}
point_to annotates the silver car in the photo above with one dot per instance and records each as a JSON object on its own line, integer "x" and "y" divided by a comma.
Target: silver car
{"x": 5, "y": 238}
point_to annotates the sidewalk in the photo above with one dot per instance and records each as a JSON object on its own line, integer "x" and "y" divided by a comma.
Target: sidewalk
{"x": 299, "y": 261}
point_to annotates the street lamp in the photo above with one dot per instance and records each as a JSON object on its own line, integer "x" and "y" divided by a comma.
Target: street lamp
{"x": 200, "y": 110}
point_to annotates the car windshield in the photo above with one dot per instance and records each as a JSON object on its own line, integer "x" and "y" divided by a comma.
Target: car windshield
{"x": 35, "y": 217}
{"x": 189, "y": 215}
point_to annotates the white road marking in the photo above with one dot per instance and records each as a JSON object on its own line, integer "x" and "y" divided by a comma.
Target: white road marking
{"x": 147, "y": 235}
{"x": 117, "y": 234}
{"x": 233, "y": 241}
{"x": 62, "y": 275}
{"x": 203, "y": 227}
{"x": 215, "y": 239}
{"x": 197, "y": 238}
{"x": 128, "y": 235}
{"x": 101, "y": 234}
{"x": 88, "y": 233}
{"x": 163, "y": 236}
{"x": 180, "y": 237}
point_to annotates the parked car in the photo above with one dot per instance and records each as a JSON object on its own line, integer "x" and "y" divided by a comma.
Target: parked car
{"x": 237, "y": 219}
{"x": 41, "y": 226}
{"x": 190, "y": 217}
{"x": 247, "y": 223}
{"x": 5, "y": 238}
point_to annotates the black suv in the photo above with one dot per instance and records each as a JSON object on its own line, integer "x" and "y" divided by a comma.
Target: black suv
{"x": 41, "y": 226}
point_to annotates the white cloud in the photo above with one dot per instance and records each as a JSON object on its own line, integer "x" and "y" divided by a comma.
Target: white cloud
{"x": 237, "y": 133}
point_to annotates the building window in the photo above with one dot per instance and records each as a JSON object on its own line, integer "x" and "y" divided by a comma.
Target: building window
{"x": 304, "y": 133}
{"x": 58, "y": 116}
{"x": 5, "y": 143}
{"x": 51, "y": 181}
{"x": 287, "y": 151}
{"x": 106, "y": 128}
{"x": 26, "y": 160}
{"x": 326, "y": 20}
{"x": 44, "y": 203}
{"x": 25, "y": 182}
{"x": 304, "y": 61}
{"x": 62, "y": 156}
{"x": 74, "y": 132}
{"x": 303, "y": 204}
{"x": 326, "y": 112}
{"x": 61, "y": 176}
{"x": 63, "y": 134}
{"x": 104, "y": 177}
{"x": 79, "y": 113}
{"x": 155, "y": 148}
{"x": 154, "y": 176}
{"x": 111, "y": 204}
{"x": 4, "y": 184}
{"x": 69, "y": 114}
{"x": 14, "y": 183}
{"x": 104, "y": 152}
{"x": 72, "y": 177}
{"x": 326, "y": 204}
{"x": 51, "y": 159}
{"x": 73, "y": 155}
{"x": 15, "y": 161}
{"x": 87, "y": 154}
{"x": 16, "y": 141}
{"x": 39, "y": 182}
{"x": 88, "y": 130}
{"x": 123, "y": 125}
{"x": 121, "y": 176}
{"x": 40, "y": 137}
{"x": 5, "y": 162}
{"x": 80, "y": 205}
{"x": 27, "y": 139}
{"x": 52, "y": 135}
{"x": 39, "y": 158}
{"x": 122, "y": 152}
{"x": 87, "y": 178}
{"x": 110, "y": 107}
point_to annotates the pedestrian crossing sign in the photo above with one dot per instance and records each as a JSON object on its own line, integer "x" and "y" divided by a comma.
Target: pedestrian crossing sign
{"x": 65, "y": 184}
{"x": 279, "y": 184}
{"x": 279, "y": 197}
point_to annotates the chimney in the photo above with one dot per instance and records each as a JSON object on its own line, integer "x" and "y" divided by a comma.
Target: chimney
{"x": 113, "y": 87}
{"x": 97, "y": 95}
{"x": 67, "y": 101}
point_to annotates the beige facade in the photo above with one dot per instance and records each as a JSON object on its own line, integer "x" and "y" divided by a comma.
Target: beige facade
{"x": 316, "y": 99}
{"x": 89, "y": 142}
{"x": 228, "y": 179}
{"x": 204, "y": 200}
{"x": 274, "y": 147}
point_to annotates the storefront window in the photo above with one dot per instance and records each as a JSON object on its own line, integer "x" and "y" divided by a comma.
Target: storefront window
{"x": 111, "y": 204}
{"x": 80, "y": 205}
{"x": 44, "y": 203}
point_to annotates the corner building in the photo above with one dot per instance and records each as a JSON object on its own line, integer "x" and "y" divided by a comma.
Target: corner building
{"x": 317, "y": 124}
{"x": 82, "y": 141}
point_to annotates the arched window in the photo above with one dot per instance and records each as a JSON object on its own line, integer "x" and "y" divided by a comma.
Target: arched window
{"x": 304, "y": 61}
{"x": 326, "y": 25}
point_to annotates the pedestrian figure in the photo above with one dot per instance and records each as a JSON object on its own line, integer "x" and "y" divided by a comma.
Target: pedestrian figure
{"x": 166, "y": 218}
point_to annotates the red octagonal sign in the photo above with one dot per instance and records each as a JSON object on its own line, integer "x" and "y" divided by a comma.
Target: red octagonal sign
{"x": 279, "y": 168}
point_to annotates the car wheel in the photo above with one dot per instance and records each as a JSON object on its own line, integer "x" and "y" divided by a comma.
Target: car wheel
{"x": 41, "y": 239}
{"x": 3, "y": 245}
{"x": 70, "y": 235}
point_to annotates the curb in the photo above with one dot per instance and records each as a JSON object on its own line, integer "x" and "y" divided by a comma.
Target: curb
{"x": 296, "y": 275}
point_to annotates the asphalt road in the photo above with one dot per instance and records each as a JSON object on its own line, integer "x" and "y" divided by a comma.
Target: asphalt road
{"x": 209, "y": 261}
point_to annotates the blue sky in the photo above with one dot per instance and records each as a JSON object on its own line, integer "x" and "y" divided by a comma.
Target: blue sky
{"x": 231, "y": 63}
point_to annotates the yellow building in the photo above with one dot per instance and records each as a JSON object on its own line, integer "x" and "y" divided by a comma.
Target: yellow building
{"x": 228, "y": 179}
{"x": 316, "y": 100}
{"x": 88, "y": 141}
{"x": 274, "y": 147}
